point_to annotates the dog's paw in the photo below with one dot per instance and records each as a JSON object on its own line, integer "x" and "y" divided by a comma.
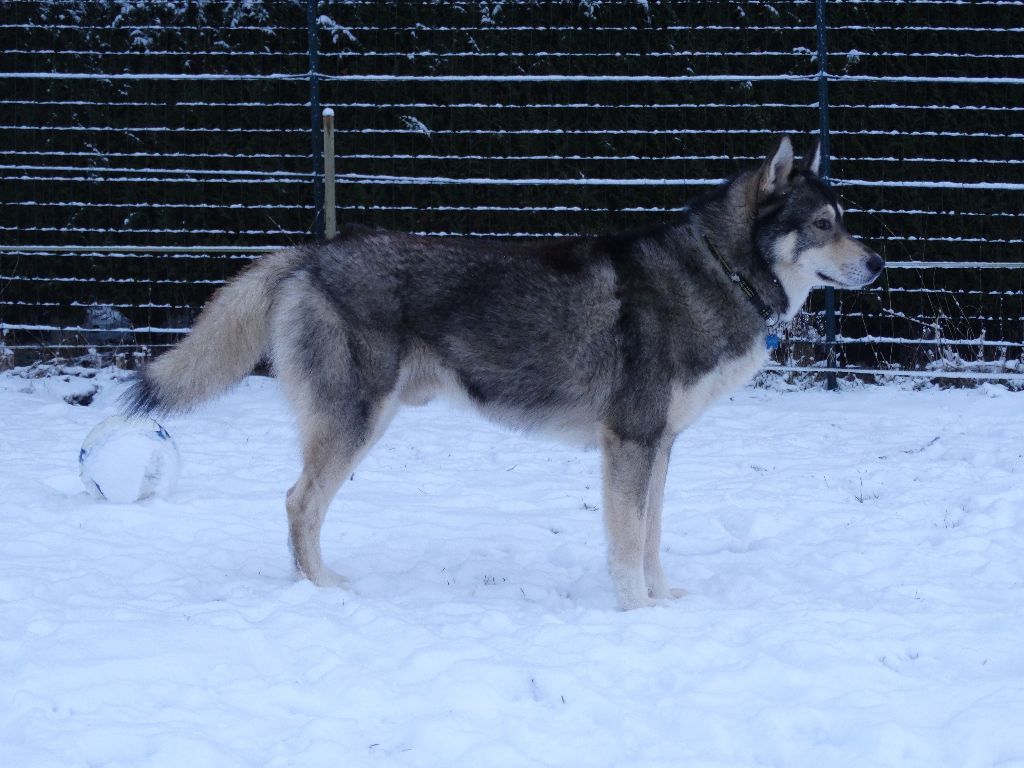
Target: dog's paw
{"x": 328, "y": 578}
{"x": 629, "y": 601}
{"x": 666, "y": 593}
{"x": 632, "y": 605}
{"x": 661, "y": 591}
{"x": 630, "y": 589}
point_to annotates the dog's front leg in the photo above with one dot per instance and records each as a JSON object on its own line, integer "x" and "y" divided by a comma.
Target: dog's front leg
{"x": 657, "y": 587}
{"x": 628, "y": 465}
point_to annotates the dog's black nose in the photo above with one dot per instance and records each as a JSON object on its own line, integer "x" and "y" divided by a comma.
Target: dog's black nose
{"x": 875, "y": 263}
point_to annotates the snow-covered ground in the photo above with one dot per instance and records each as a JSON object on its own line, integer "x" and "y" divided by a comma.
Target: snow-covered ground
{"x": 854, "y": 563}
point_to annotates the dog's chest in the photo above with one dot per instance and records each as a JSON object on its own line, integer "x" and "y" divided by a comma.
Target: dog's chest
{"x": 688, "y": 402}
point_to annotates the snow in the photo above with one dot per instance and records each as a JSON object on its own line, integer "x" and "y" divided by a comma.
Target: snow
{"x": 852, "y": 561}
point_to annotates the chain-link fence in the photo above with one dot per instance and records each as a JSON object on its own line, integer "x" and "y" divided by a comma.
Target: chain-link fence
{"x": 150, "y": 148}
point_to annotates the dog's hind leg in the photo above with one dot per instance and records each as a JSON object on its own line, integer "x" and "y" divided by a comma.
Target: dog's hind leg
{"x": 325, "y": 466}
{"x": 331, "y": 450}
{"x": 628, "y": 466}
{"x": 343, "y": 388}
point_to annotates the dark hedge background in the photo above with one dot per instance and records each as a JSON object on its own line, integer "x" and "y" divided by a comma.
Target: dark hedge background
{"x": 927, "y": 137}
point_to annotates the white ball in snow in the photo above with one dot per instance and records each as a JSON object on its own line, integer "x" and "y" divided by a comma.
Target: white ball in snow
{"x": 124, "y": 460}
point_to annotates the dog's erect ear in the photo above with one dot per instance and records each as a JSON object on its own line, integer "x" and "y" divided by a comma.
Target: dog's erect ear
{"x": 774, "y": 176}
{"x": 812, "y": 162}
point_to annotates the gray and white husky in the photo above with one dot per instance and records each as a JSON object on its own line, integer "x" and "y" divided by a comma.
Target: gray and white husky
{"x": 622, "y": 339}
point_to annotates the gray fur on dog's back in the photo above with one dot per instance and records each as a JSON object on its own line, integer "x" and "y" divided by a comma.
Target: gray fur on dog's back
{"x": 568, "y": 332}
{"x": 572, "y": 330}
{"x": 525, "y": 338}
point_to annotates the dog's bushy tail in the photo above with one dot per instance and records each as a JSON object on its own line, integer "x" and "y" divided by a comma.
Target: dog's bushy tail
{"x": 228, "y": 339}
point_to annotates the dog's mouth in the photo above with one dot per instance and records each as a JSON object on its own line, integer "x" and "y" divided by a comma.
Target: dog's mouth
{"x": 828, "y": 280}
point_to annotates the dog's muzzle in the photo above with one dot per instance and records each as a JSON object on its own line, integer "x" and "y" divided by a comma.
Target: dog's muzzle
{"x": 873, "y": 266}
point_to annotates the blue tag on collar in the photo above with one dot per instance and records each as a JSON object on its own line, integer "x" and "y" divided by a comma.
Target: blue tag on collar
{"x": 771, "y": 341}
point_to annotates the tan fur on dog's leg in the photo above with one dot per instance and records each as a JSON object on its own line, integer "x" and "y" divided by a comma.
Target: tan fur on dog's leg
{"x": 657, "y": 587}
{"x": 627, "y": 476}
{"x": 307, "y": 504}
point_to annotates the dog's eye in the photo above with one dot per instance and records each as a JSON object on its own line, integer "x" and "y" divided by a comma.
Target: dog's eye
{"x": 823, "y": 224}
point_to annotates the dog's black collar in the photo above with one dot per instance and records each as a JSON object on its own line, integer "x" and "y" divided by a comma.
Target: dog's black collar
{"x": 770, "y": 316}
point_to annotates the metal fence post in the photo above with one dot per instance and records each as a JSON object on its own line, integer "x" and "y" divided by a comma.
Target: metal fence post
{"x": 823, "y": 130}
{"x": 316, "y": 137}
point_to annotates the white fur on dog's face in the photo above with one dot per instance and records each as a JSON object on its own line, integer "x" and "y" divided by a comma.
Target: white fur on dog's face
{"x": 826, "y": 253}
{"x": 822, "y": 253}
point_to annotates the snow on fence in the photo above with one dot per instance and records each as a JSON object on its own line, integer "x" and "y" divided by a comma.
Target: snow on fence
{"x": 152, "y": 149}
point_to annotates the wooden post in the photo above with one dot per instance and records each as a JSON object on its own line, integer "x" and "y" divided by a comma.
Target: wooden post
{"x": 330, "y": 212}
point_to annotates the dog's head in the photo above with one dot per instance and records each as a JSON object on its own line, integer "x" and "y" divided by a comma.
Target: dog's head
{"x": 799, "y": 225}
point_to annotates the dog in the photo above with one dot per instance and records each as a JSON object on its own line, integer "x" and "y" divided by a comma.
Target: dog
{"x": 622, "y": 340}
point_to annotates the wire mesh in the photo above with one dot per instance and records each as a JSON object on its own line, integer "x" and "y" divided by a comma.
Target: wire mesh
{"x": 145, "y": 141}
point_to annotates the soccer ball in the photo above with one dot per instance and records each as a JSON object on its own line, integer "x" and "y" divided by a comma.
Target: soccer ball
{"x": 125, "y": 460}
